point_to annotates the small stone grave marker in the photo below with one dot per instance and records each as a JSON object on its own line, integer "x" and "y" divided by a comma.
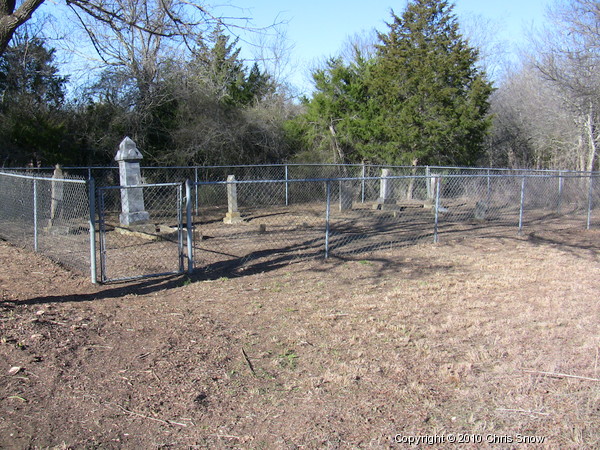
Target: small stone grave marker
{"x": 57, "y": 194}
{"x": 233, "y": 215}
{"x": 345, "y": 195}
{"x": 385, "y": 191}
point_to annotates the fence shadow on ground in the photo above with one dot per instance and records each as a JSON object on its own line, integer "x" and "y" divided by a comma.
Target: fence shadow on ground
{"x": 259, "y": 262}
{"x": 579, "y": 242}
{"x": 139, "y": 287}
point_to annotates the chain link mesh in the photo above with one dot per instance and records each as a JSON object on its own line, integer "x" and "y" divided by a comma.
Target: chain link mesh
{"x": 283, "y": 220}
{"x": 134, "y": 250}
{"x": 380, "y": 222}
{"x": 48, "y": 215}
{"x": 284, "y": 212}
{"x": 488, "y": 203}
{"x": 264, "y": 230}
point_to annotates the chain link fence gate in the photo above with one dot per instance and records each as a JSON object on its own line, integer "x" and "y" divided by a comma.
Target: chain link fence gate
{"x": 152, "y": 248}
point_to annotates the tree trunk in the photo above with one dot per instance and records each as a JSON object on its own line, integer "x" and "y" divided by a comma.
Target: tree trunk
{"x": 591, "y": 131}
{"x": 338, "y": 152}
{"x": 10, "y": 19}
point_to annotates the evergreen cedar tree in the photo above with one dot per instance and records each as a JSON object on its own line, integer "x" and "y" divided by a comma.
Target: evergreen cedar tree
{"x": 31, "y": 96}
{"x": 420, "y": 99}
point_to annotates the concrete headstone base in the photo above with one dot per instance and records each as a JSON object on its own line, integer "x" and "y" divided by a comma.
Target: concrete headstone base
{"x": 232, "y": 217}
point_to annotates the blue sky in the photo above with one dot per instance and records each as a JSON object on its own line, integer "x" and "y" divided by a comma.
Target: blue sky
{"x": 318, "y": 29}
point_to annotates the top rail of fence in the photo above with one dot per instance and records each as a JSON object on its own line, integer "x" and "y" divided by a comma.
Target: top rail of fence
{"x": 237, "y": 166}
{"x": 133, "y": 186}
{"x": 38, "y": 177}
{"x": 389, "y": 177}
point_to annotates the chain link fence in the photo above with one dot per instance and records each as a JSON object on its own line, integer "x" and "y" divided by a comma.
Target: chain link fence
{"x": 281, "y": 220}
{"x": 48, "y": 215}
{"x": 238, "y": 218}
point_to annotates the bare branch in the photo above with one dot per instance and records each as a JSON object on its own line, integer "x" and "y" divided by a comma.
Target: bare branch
{"x": 10, "y": 20}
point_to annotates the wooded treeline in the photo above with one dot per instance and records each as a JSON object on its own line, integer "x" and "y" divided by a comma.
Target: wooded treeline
{"x": 174, "y": 81}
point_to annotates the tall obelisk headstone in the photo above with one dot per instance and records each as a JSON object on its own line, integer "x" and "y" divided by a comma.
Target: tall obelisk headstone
{"x": 132, "y": 199}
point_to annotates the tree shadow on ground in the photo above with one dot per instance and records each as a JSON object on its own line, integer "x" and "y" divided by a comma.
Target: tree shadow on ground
{"x": 139, "y": 287}
{"x": 257, "y": 262}
{"x": 584, "y": 240}
{"x": 343, "y": 250}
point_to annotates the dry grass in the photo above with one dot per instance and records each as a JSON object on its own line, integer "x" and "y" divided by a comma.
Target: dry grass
{"x": 469, "y": 337}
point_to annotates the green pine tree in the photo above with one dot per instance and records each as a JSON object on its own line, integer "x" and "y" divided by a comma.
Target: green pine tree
{"x": 31, "y": 101}
{"x": 431, "y": 99}
{"x": 336, "y": 122}
{"x": 218, "y": 65}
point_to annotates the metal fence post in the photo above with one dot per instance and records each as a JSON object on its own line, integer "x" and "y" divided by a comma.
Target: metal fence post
{"x": 287, "y": 192}
{"x": 189, "y": 225}
{"x": 35, "y": 218}
{"x": 196, "y": 188}
{"x": 102, "y": 236}
{"x": 327, "y": 216}
{"x": 489, "y": 190}
{"x": 437, "y": 208}
{"x": 521, "y": 206}
{"x": 92, "y": 223}
{"x": 180, "y": 227}
{"x": 364, "y": 172}
{"x": 428, "y": 175}
{"x": 560, "y": 191}
{"x": 590, "y": 201}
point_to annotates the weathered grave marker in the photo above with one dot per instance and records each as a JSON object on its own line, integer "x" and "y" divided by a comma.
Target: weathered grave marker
{"x": 432, "y": 186}
{"x": 345, "y": 195}
{"x": 385, "y": 190}
{"x": 481, "y": 210}
{"x": 233, "y": 215}
{"x": 132, "y": 199}
{"x": 57, "y": 194}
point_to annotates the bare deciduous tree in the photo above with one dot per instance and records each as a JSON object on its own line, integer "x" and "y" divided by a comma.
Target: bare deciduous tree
{"x": 532, "y": 128}
{"x": 482, "y": 33}
{"x": 179, "y": 20}
{"x": 570, "y": 60}
{"x": 12, "y": 18}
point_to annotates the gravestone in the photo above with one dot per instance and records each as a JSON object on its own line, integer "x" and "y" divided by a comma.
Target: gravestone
{"x": 481, "y": 209}
{"x": 346, "y": 195}
{"x": 233, "y": 215}
{"x": 132, "y": 199}
{"x": 431, "y": 186}
{"x": 385, "y": 190}
{"x": 57, "y": 194}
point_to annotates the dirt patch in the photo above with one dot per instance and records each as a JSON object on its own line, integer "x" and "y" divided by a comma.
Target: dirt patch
{"x": 494, "y": 337}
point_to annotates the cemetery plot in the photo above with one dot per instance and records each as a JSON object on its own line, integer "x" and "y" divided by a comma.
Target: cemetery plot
{"x": 486, "y": 337}
{"x": 142, "y": 228}
{"x": 282, "y": 234}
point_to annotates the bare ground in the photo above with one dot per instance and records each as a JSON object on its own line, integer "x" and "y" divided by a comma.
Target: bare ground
{"x": 496, "y": 338}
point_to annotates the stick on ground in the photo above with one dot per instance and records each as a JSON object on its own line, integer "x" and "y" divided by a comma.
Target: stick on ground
{"x": 561, "y": 375}
{"x": 248, "y": 362}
